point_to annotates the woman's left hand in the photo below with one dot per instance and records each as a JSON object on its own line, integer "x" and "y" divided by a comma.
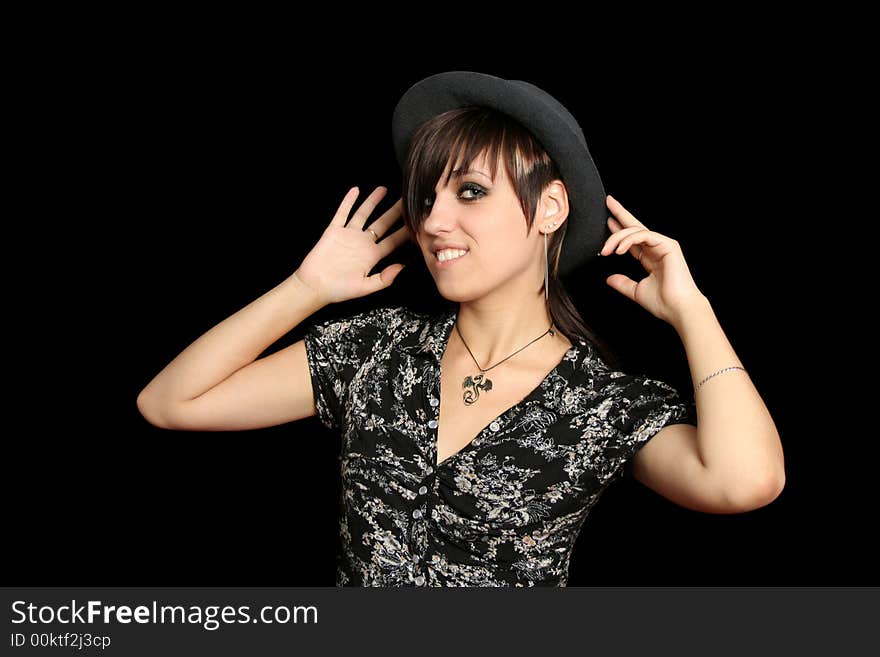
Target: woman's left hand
{"x": 669, "y": 289}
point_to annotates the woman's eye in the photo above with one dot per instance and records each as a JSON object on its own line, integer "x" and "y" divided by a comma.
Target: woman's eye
{"x": 471, "y": 187}
{"x": 468, "y": 187}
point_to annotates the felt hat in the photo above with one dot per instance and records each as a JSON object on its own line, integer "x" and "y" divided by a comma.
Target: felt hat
{"x": 546, "y": 118}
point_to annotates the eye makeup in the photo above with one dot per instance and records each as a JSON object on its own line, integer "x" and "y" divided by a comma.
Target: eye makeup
{"x": 478, "y": 191}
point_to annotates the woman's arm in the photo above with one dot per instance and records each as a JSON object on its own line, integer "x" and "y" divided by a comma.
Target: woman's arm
{"x": 737, "y": 440}
{"x": 187, "y": 393}
{"x": 230, "y": 345}
{"x": 733, "y": 458}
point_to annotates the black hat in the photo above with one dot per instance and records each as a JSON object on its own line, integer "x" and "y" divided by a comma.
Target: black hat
{"x": 546, "y": 118}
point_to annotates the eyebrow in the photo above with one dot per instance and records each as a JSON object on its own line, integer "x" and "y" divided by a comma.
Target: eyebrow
{"x": 458, "y": 173}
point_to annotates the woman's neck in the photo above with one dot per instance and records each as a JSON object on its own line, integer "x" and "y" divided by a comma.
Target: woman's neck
{"x": 494, "y": 331}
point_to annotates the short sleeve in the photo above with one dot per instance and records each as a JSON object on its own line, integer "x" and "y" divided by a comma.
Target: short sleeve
{"x": 638, "y": 408}
{"x": 336, "y": 350}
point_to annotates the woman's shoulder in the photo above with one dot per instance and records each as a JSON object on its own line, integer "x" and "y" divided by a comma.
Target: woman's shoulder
{"x": 375, "y": 316}
{"x": 584, "y": 356}
{"x": 379, "y": 320}
{"x": 627, "y": 385}
{"x": 593, "y": 372}
{"x": 392, "y": 317}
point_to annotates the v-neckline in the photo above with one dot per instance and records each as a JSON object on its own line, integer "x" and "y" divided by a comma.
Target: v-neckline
{"x": 450, "y": 323}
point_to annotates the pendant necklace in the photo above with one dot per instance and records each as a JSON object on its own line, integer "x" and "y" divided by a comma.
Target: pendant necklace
{"x": 472, "y": 385}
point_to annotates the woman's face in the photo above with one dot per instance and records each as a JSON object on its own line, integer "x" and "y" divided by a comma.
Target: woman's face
{"x": 485, "y": 218}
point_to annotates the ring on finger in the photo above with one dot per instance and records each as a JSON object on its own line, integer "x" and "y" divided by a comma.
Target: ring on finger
{"x": 374, "y": 235}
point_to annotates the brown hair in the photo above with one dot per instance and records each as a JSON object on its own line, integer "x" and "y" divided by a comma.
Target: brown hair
{"x": 460, "y": 135}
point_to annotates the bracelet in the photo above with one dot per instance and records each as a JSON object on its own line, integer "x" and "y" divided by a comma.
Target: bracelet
{"x": 734, "y": 367}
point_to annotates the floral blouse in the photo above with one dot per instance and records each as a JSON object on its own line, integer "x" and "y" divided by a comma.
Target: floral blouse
{"x": 507, "y": 508}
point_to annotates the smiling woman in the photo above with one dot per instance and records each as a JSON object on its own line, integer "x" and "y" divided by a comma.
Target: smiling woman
{"x": 474, "y": 442}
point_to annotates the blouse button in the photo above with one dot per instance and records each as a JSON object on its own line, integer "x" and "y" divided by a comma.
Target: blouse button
{"x": 420, "y": 580}
{"x": 432, "y": 424}
{"x": 434, "y": 401}
{"x": 417, "y": 513}
{"x": 494, "y": 426}
{"x": 423, "y": 490}
{"x": 429, "y": 469}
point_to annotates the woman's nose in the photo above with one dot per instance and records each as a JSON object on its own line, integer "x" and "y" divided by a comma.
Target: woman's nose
{"x": 441, "y": 212}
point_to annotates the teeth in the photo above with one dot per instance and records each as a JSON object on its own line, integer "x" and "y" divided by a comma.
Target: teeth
{"x": 449, "y": 254}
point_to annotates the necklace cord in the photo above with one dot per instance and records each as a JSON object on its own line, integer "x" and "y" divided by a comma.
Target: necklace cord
{"x": 549, "y": 330}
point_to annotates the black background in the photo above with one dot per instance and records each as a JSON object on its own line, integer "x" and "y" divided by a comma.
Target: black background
{"x": 170, "y": 177}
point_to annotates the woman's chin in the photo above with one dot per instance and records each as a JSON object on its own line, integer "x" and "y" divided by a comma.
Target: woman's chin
{"x": 458, "y": 293}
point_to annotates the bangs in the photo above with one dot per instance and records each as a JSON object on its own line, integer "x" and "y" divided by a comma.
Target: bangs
{"x": 461, "y": 136}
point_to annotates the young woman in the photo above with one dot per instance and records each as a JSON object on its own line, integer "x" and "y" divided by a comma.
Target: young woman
{"x": 476, "y": 441}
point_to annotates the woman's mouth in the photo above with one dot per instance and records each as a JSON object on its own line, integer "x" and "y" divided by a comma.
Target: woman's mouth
{"x": 448, "y": 257}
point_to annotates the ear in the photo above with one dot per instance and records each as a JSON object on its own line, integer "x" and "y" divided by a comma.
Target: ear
{"x": 554, "y": 203}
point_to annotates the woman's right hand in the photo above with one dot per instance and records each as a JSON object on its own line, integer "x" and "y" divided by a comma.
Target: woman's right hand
{"x": 337, "y": 266}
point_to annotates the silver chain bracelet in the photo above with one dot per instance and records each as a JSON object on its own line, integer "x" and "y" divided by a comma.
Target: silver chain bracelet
{"x": 734, "y": 367}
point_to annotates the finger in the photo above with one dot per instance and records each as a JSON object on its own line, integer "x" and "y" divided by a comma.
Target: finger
{"x": 614, "y": 225}
{"x": 642, "y": 237}
{"x": 359, "y": 218}
{"x": 617, "y": 237}
{"x": 392, "y": 241}
{"x": 623, "y": 284}
{"x": 387, "y": 218}
{"x": 624, "y": 216}
{"x": 344, "y": 208}
{"x": 383, "y": 279}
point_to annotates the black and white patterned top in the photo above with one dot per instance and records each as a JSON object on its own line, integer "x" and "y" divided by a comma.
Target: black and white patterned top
{"x": 506, "y": 509}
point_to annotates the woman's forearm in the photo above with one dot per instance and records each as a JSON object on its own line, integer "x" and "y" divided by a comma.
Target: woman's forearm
{"x": 737, "y": 437}
{"x": 233, "y": 343}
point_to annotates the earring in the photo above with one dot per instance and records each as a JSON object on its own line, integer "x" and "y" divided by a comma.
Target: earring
{"x": 546, "y": 263}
